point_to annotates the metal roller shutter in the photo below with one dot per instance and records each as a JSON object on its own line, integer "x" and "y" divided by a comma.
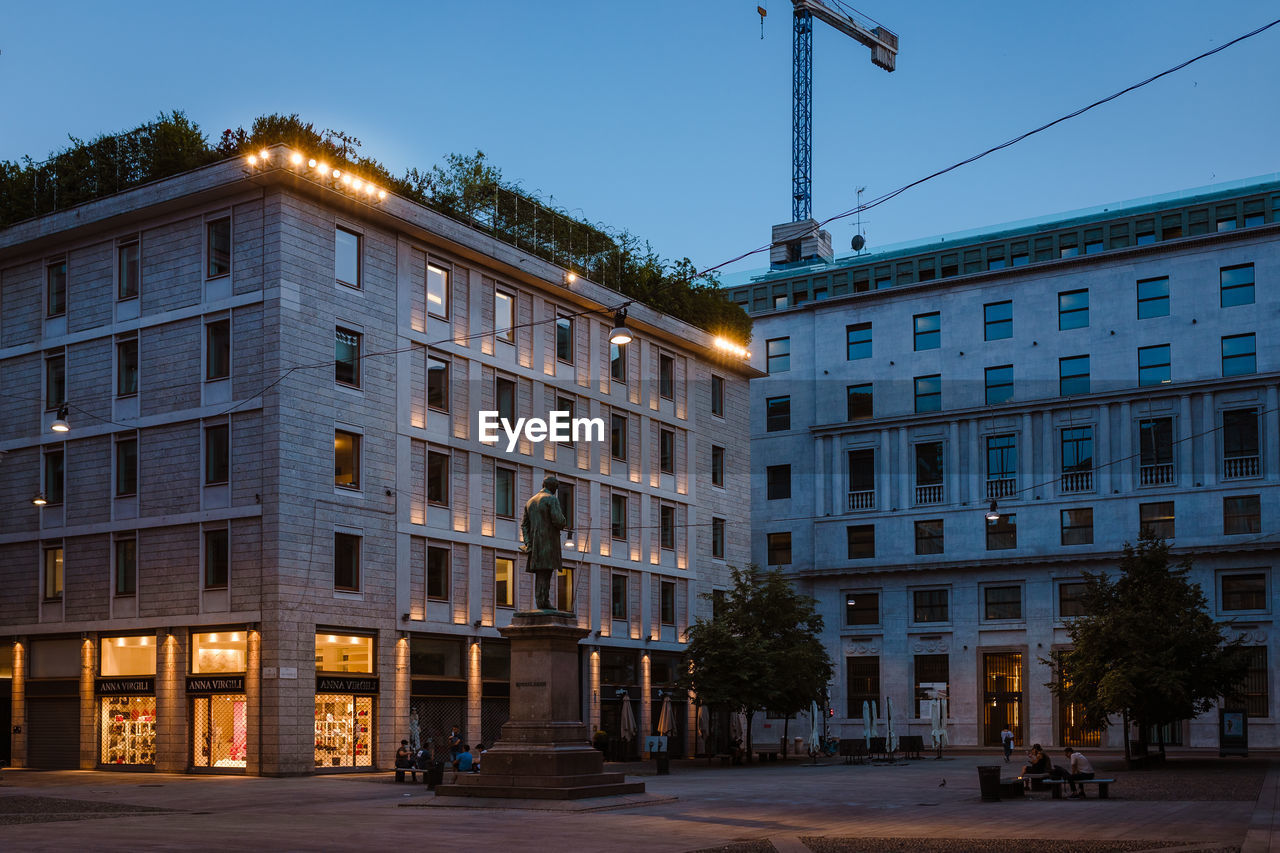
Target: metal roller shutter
{"x": 53, "y": 734}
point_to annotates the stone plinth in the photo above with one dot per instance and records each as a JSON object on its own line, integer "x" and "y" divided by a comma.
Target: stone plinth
{"x": 543, "y": 752}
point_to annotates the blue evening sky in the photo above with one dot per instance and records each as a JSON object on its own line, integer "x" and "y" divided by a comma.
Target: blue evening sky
{"x": 673, "y": 119}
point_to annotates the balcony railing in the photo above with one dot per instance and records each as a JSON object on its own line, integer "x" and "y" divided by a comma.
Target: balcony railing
{"x": 1077, "y": 481}
{"x": 1241, "y": 467}
{"x": 931, "y": 494}
{"x": 1155, "y": 475}
{"x": 1001, "y": 487}
{"x": 862, "y": 500}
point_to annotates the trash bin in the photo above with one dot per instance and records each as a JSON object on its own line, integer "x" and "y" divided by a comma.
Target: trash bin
{"x": 989, "y": 782}
{"x": 434, "y": 776}
{"x": 664, "y": 763}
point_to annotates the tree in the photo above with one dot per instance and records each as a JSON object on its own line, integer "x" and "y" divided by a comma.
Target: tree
{"x": 1146, "y": 648}
{"x": 760, "y": 651}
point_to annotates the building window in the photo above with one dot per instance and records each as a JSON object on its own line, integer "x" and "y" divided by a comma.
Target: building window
{"x": 1073, "y": 309}
{"x": 862, "y": 677}
{"x": 505, "y": 392}
{"x": 779, "y": 549}
{"x": 1239, "y": 355}
{"x": 860, "y": 541}
{"x": 930, "y": 471}
{"x": 618, "y": 516}
{"x": 504, "y": 316}
{"x": 438, "y": 384}
{"x": 1002, "y": 465}
{"x": 618, "y": 596}
{"x": 504, "y": 592}
{"x": 618, "y": 437}
{"x": 1244, "y": 592}
{"x": 778, "y": 355}
{"x": 54, "y": 475}
{"x": 667, "y": 526}
{"x": 128, "y": 270}
{"x": 930, "y": 605}
{"x": 126, "y": 566}
{"x": 217, "y": 454}
{"x": 928, "y": 331}
{"x": 1255, "y": 693}
{"x": 1153, "y": 298}
{"x": 217, "y": 349}
{"x": 564, "y": 494}
{"x": 437, "y": 478}
{"x": 217, "y": 558}
{"x": 346, "y": 562}
{"x": 929, "y": 537}
{"x": 862, "y": 608}
{"x": 1240, "y": 443}
{"x": 437, "y": 291}
{"x": 618, "y": 362}
{"x": 933, "y": 674}
{"x": 666, "y": 451}
{"x": 56, "y": 289}
{"x": 666, "y": 376}
{"x": 438, "y": 560}
{"x": 1237, "y": 285}
{"x": 999, "y": 384}
{"x": 668, "y": 603}
{"x": 1156, "y": 519}
{"x": 778, "y": 482}
{"x": 1001, "y": 602}
{"x": 929, "y": 393}
{"x": 346, "y": 459}
{"x": 126, "y": 466}
{"x": 1071, "y": 599}
{"x": 346, "y": 256}
{"x": 1073, "y": 375}
{"x": 55, "y": 381}
{"x": 504, "y": 492}
{"x": 717, "y": 538}
{"x": 217, "y": 247}
{"x": 858, "y": 402}
{"x": 858, "y": 341}
{"x": 53, "y": 573}
{"x": 1155, "y": 442}
{"x": 777, "y": 414}
{"x": 1077, "y": 526}
{"x": 1002, "y": 534}
{"x": 1077, "y": 450}
{"x": 346, "y": 357}
{"x": 717, "y": 395}
{"x": 564, "y": 339}
{"x": 717, "y": 466}
{"x": 997, "y": 320}
{"x": 862, "y": 474}
{"x": 1153, "y": 365}
{"x": 1241, "y": 514}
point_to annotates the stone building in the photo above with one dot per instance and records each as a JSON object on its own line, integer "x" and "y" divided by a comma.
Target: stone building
{"x": 1093, "y": 374}
{"x": 271, "y": 540}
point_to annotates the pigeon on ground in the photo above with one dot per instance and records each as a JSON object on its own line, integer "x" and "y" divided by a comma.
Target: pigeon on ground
{"x": 942, "y": 784}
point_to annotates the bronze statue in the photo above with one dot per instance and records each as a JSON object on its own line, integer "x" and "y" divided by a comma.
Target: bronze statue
{"x": 540, "y": 529}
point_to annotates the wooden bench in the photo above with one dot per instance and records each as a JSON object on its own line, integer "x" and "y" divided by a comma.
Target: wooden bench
{"x": 1104, "y": 787}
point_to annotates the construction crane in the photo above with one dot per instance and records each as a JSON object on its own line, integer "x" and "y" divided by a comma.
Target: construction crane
{"x": 884, "y": 53}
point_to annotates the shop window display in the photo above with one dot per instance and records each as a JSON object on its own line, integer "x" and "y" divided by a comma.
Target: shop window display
{"x": 344, "y": 730}
{"x": 128, "y": 730}
{"x": 220, "y": 652}
{"x": 219, "y": 736}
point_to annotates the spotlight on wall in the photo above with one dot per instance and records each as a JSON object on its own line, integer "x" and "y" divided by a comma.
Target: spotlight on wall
{"x": 475, "y": 624}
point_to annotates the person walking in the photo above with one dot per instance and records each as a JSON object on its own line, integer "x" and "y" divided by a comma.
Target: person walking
{"x": 1006, "y": 741}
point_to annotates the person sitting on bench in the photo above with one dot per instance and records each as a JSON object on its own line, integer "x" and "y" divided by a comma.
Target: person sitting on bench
{"x": 1078, "y": 769}
{"x": 1039, "y": 763}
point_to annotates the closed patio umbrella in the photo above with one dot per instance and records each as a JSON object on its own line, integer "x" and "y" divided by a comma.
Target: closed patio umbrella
{"x": 868, "y": 724}
{"x": 628, "y": 721}
{"x": 704, "y": 726}
{"x": 414, "y": 739}
{"x": 736, "y": 728}
{"x": 935, "y": 722}
{"x": 815, "y": 741}
{"x": 891, "y": 736}
{"x": 666, "y": 719}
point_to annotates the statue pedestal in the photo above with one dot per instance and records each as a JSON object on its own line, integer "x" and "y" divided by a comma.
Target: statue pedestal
{"x": 543, "y": 752}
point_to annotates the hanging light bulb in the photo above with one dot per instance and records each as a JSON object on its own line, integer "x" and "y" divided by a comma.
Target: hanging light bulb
{"x": 40, "y": 500}
{"x": 993, "y": 514}
{"x": 60, "y": 422}
{"x": 619, "y": 334}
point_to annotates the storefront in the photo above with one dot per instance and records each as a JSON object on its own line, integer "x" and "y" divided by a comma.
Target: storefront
{"x": 438, "y": 691}
{"x": 52, "y": 689}
{"x": 346, "y": 701}
{"x": 218, "y": 708}
{"x": 125, "y": 693}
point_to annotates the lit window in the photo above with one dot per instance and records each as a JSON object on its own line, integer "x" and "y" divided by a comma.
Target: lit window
{"x": 346, "y": 459}
{"x": 223, "y": 651}
{"x": 134, "y": 655}
{"x": 437, "y": 291}
{"x": 342, "y": 653}
{"x": 53, "y": 573}
{"x": 504, "y": 581}
{"x": 779, "y": 549}
{"x": 504, "y": 316}
{"x": 1156, "y": 519}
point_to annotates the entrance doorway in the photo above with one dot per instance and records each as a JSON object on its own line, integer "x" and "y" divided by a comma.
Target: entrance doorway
{"x": 1002, "y": 705}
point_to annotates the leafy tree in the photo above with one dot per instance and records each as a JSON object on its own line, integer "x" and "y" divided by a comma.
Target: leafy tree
{"x": 760, "y": 651}
{"x": 1147, "y": 648}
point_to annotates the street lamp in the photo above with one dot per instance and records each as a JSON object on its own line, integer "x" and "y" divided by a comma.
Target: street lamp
{"x": 993, "y": 514}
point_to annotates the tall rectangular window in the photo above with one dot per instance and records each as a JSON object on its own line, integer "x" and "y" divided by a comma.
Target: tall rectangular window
{"x": 1002, "y": 534}
{"x": 999, "y": 384}
{"x": 717, "y": 466}
{"x": 346, "y": 356}
{"x": 717, "y": 395}
{"x": 437, "y": 384}
{"x": 667, "y": 607}
{"x": 504, "y": 492}
{"x": 930, "y": 605}
{"x": 346, "y": 459}
{"x": 857, "y": 341}
{"x": 1073, "y": 309}
{"x": 618, "y": 362}
{"x": 1240, "y": 442}
{"x": 618, "y": 516}
{"x": 933, "y": 677}
{"x": 54, "y": 475}
{"x": 928, "y": 331}
{"x": 667, "y": 451}
{"x": 778, "y": 355}
{"x": 504, "y": 593}
{"x": 928, "y": 393}
{"x": 862, "y": 679}
{"x": 929, "y": 537}
{"x": 564, "y": 494}
{"x": 860, "y": 541}
{"x": 1071, "y": 599}
{"x": 778, "y": 548}
{"x": 1236, "y": 285}
{"x": 55, "y": 285}
{"x": 1077, "y": 449}
{"x": 128, "y": 270}
{"x": 618, "y": 596}
{"x": 1156, "y": 519}
{"x": 346, "y": 562}
{"x": 437, "y": 291}
{"x": 1077, "y": 526}
{"x": 862, "y": 608}
{"x": 667, "y": 526}
{"x": 1153, "y": 298}
{"x": 1155, "y": 443}
{"x": 53, "y": 576}
{"x": 437, "y": 478}
{"x": 505, "y": 394}
{"x": 438, "y": 569}
{"x": 862, "y": 472}
{"x": 126, "y": 367}
{"x": 929, "y": 463}
{"x": 346, "y": 256}
{"x": 55, "y": 380}
{"x": 859, "y": 402}
{"x": 1255, "y": 693}
{"x": 777, "y": 414}
{"x": 1002, "y": 458}
{"x": 217, "y": 558}
{"x": 564, "y": 339}
{"x": 217, "y": 349}
{"x": 217, "y": 240}
{"x": 217, "y": 454}
{"x": 126, "y": 466}
{"x": 126, "y": 566}
{"x": 1244, "y": 592}
{"x": 717, "y": 538}
{"x": 504, "y": 316}
{"x": 1153, "y": 365}
{"x": 997, "y": 320}
{"x": 618, "y": 437}
{"x": 1241, "y": 514}
{"x": 1001, "y": 602}
{"x": 778, "y": 482}
{"x": 1073, "y": 375}
{"x": 666, "y": 376}
{"x": 1239, "y": 355}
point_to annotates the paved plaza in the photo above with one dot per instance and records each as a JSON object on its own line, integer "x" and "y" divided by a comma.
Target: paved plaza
{"x": 1197, "y": 803}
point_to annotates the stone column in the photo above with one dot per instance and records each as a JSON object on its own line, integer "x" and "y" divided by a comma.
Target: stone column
{"x": 19, "y": 704}
{"x": 253, "y": 702}
{"x": 646, "y": 706}
{"x": 89, "y": 735}
{"x": 171, "y": 700}
{"x": 474, "y": 692}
